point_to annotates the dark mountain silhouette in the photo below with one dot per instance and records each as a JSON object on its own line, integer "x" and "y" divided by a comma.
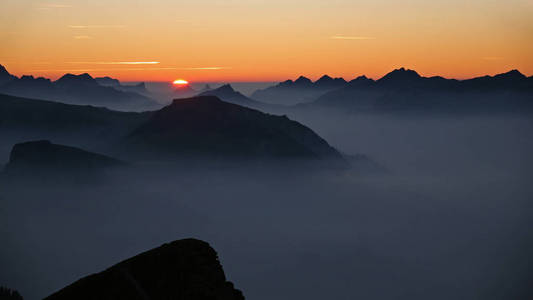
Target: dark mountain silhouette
{"x": 209, "y": 127}
{"x": 107, "y": 81}
{"x": 93, "y": 127}
{"x": 42, "y": 159}
{"x": 404, "y": 89}
{"x": 9, "y": 294}
{"x": 78, "y": 89}
{"x": 228, "y": 94}
{"x": 5, "y": 77}
{"x": 186, "y": 269}
{"x": 328, "y": 82}
{"x": 301, "y": 90}
{"x": 139, "y": 88}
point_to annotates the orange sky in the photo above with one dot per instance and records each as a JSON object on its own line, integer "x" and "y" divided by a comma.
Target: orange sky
{"x": 264, "y": 40}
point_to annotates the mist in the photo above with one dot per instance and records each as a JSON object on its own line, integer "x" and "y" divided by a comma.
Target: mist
{"x": 451, "y": 218}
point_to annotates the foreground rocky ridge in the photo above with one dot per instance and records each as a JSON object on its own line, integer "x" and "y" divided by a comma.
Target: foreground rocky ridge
{"x": 186, "y": 269}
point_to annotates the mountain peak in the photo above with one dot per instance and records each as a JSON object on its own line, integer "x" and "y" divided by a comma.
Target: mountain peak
{"x": 328, "y": 81}
{"x": 401, "y": 75}
{"x": 84, "y": 78}
{"x": 302, "y": 80}
{"x": 513, "y": 74}
{"x": 325, "y": 78}
{"x": 5, "y": 76}
{"x": 226, "y": 88}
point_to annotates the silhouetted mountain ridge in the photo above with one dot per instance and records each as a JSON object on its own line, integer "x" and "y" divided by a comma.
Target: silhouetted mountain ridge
{"x": 404, "y": 89}
{"x": 206, "y": 126}
{"x": 77, "y": 89}
{"x": 186, "y": 269}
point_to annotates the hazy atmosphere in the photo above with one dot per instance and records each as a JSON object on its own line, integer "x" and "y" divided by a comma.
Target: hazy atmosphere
{"x": 198, "y": 150}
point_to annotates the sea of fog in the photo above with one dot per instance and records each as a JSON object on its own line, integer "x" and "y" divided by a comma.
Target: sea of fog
{"x": 452, "y": 219}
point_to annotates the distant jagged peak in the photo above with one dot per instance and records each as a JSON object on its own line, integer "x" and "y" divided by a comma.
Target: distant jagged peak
{"x": 302, "y": 80}
{"x": 324, "y": 78}
{"x": 5, "y": 76}
{"x": 328, "y": 80}
{"x": 513, "y": 74}
{"x": 107, "y": 81}
{"x": 360, "y": 80}
{"x": 401, "y": 74}
{"x": 226, "y": 88}
{"x": 3, "y": 70}
{"x": 84, "y": 78}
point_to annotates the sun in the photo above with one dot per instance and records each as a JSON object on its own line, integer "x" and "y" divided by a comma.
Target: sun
{"x": 180, "y": 82}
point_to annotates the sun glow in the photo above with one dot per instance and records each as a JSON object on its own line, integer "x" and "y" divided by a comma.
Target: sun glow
{"x": 180, "y": 82}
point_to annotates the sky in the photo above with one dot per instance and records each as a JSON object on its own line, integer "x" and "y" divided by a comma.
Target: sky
{"x": 264, "y": 40}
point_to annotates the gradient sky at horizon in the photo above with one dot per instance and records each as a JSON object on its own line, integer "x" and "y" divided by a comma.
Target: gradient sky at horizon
{"x": 264, "y": 40}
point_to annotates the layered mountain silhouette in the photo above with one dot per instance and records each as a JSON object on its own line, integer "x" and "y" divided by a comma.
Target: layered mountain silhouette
{"x": 405, "y": 89}
{"x": 202, "y": 126}
{"x": 92, "y": 128}
{"x": 186, "y": 269}
{"x": 301, "y": 90}
{"x": 44, "y": 160}
{"x": 228, "y": 94}
{"x": 139, "y": 88}
{"x": 206, "y": 126}
{"x": 77, "y": 89}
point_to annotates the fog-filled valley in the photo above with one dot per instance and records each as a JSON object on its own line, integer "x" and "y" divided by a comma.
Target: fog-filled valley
{"x": 316, "y": 203}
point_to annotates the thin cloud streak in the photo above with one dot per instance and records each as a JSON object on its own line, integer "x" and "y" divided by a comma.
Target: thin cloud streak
{"x": 113, "y": 62}
{"x": 54, "y": 5}
{"x": 354, "y": 38}
{"x": 94, "y": 26}
{"x": 128, "y": 69}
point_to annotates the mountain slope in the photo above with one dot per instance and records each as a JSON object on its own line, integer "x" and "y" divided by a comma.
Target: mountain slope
{"x": 78, "y": 89}
{"x": 186, "y": 269}
{"x": 90, "y": 127}
{"x": 209, "y": 127}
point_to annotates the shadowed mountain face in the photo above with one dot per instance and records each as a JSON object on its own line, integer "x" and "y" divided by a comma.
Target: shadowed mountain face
{"x": 186, "y": 269}
{"x": 299, "y": 91}
{"x": 77, "y": 89}
{"x": 89, "y": 127}
{"x": 43, "y": 159}
{"x": 406, "y": 90}
{"x": 209, "y": 127}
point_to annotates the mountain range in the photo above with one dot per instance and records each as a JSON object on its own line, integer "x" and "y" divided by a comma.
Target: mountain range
{"x": 301, "y": 90}
{"x": 406, "y": 90}
{"x": 204, "y": 127}
{"x": 76, "y": 89}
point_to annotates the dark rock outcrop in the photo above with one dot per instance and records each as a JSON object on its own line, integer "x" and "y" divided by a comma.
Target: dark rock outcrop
{"x": 186, "y": 269}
